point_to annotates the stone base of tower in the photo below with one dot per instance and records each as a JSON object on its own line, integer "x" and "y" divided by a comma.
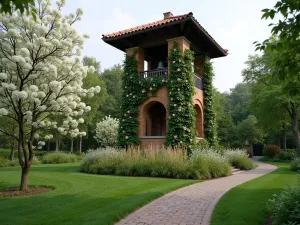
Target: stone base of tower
{"x": 148, "y": 142}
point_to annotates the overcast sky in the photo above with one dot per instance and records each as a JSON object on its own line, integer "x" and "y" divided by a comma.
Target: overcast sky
{"x": 234, "y": 24}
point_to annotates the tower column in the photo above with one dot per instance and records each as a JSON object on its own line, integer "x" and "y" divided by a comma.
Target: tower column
{"x": 139, "y": 56}
{"x": 183, "y": 44}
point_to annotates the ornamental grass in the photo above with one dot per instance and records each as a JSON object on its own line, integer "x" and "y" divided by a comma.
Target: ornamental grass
{"x": 155, "y": 162}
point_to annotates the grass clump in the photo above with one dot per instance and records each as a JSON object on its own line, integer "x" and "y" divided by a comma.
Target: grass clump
{"x": 295, "y": 164}
{"x": 58, "y": 157}
{"x": 239, "y": 159}
{"x": 207, "y": 163}
{"x": 156, "y": 163}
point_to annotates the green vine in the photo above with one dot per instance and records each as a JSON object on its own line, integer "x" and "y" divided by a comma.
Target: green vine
{"x": 209, "y": 113}
{"x": 181, "y": 118}
{"x": 135, "y": 91}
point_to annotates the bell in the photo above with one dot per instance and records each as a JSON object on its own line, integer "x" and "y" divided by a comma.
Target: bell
{"x": 160, "y": 65}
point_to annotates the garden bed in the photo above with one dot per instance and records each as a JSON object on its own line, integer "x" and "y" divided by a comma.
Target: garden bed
{"x": 15, "y": 192}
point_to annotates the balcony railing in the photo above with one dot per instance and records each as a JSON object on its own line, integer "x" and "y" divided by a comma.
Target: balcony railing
{"x": 198, "y": 82}
{"x": 160, "y": 73}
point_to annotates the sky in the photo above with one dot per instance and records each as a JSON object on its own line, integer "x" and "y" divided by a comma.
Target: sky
{"x": 234, "y": 24}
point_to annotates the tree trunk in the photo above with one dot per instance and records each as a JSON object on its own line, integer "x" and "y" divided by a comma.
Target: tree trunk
{"x": 12, "y": 151}
{"x": 251, "y": 149}
{"x": 24, "y": 178}
{"x": 284, "y": 139}
{"x": 71, "y": 146}
{"x": 48, "y": 147}
{"x": 80, "y": 144}
{"x": 295, "y": 129}
{"x": 57, "y": 145}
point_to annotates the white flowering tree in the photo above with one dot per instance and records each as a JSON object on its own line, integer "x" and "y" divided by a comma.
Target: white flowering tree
{"x": 41, "y": 76}
{"x": 107, "y": 131}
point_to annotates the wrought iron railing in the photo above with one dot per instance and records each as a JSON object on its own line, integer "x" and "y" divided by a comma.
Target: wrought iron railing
{"x": 198, "y": 82}
{"x": 161, "y": 73}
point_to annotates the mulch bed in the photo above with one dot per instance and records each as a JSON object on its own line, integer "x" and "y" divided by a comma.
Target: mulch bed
{"x": 15, "y": 192}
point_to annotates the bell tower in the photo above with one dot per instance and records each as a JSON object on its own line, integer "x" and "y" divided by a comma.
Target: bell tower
{"x": 153, "y": 43}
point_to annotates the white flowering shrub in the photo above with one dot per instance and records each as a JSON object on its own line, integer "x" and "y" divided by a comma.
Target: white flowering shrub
{"x": 107, "y": 131}
{"x": 41, "y": 75}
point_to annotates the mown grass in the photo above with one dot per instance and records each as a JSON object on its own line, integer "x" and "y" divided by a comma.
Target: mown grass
{"x": 78, "y": 198}
{"x": 246, "y": 203}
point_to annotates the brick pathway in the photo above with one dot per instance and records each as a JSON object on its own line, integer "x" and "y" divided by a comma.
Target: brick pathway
{"x": 193, "y": 204}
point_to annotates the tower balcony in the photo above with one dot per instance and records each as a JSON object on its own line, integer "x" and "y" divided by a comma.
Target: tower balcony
{"x": 163, "y": 73}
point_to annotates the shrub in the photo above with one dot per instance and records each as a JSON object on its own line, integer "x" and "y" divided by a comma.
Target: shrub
{"x": 295, "y": 164}
{"x": 203, "y": 144}
{"x": 285, "y": 207}
{"x": 156, "y": 163}
{"x": 239, "y": 158}
{"x": 107, "y": 131}
{"x": 4, "y": 162}
{"x": 270, "y": 151}
{"x": 207, "y": 163}
{"x": 58, "y": 157}
{"x": 287, "y": 155}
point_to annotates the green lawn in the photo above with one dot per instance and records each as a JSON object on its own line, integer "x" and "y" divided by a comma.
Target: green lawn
{"x": 246, "y": 203}
{"x": 78, "y": 198}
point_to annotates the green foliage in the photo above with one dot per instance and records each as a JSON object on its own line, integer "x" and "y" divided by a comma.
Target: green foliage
{"x": 173, "y": 163}
{"x": 9, "y": 6}
{"x": 239, "y": 159}
{"x": 287, "y": 155}
{"x": 203, "y": 144}
{"x": 210, "y": 128}
{"x": 271, "y": 151}
{"x": 287, "y": 29}
{"x": 285, "y": 207}
{"x": 4, "y": 162}
{"x": 181, "y": 120}
{"x": 249, "y": 131}
{"x": 113, "y": 80}
{"x": 135, "y": 91}
{"x": 295, "y": 165}
{"x": 58, "y": 157}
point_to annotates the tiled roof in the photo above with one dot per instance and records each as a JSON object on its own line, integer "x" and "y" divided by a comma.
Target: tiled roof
{"x": 160, "y": 23}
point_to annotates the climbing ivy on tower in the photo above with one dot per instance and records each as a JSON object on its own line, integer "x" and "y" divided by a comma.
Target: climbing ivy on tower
{"x": 135, "y": 90}
{"x": 181, "y": 112}
{"x": 210, "y": 129}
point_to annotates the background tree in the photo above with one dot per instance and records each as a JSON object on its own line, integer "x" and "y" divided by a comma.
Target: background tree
{"x": 97, "y": 102}
{"x": 249, "y": 131}
{"x": 266, "y": 99}
{"x": 113, "y": 81}
{"x": 41, "y": 75}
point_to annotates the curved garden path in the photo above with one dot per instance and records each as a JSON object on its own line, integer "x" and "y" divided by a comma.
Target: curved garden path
{"x": 193, "y": 204}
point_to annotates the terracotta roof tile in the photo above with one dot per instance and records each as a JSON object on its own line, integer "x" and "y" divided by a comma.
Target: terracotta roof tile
{"x": 159, "y": 23}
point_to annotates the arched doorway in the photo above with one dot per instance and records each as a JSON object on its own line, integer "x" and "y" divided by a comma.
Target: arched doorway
{"x": 156, "y": 120}
{"x": 199, "y": 121}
